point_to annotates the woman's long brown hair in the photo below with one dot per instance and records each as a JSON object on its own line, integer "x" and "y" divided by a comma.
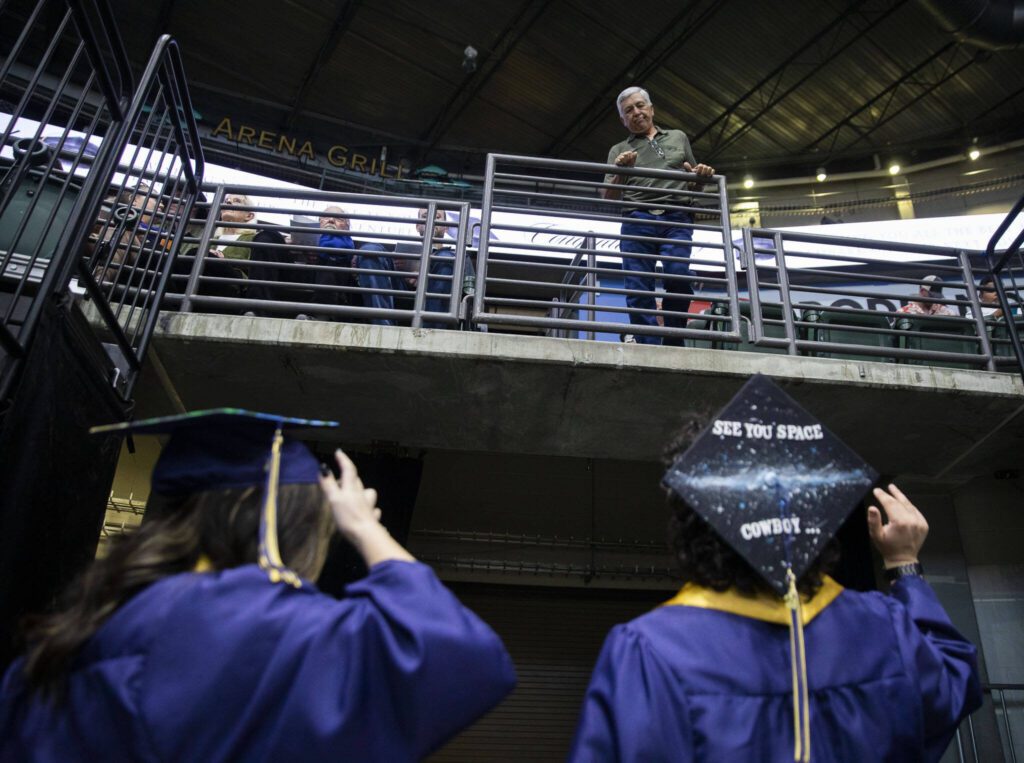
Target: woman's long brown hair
{"x": 221, "y": 525}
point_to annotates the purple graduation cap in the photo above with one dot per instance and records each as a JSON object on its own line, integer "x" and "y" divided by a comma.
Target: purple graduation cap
{"x": 232, "y": 448}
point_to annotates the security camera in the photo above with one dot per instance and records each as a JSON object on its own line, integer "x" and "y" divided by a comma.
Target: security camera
{"x": 469, "y": 56}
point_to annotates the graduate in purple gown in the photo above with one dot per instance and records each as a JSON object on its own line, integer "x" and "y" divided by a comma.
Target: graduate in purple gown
{"x": 200, "y": 638}
{"x": 762, "y": 656}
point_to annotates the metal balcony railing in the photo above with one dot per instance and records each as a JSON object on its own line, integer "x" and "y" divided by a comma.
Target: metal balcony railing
{"x": 98, "y": 177}
{"x": 1007, "y": 265}
{"x": 529, "y": 268}
{"x": 1007, "y": 704}
{"x": 137, "y": 230}
{"x": 524, "y": 259}
{"x": 67, "y": 86}
{"x": 839, "y": 297}
{"x": 262, "y": 251}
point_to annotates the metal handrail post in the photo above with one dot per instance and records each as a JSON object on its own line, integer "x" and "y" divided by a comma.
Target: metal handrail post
{"x": 1009, "y": 727}
{"x": 420, "y": 298}
{"x": 590, "y": 243}
{"x": 1011, "y": 323}
{"x": 979, "y": 319}
{"x": 459, "y": 267}
{"x": 785, "y": 297}
{"x": 990, "y": 250}
{"x": 202, "y": 248}
{"x": 731, "y": 275}
{"x": 753, "y": 292}
{"x": 485, "y": 238}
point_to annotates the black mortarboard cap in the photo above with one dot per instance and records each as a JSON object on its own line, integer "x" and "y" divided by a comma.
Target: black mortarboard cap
{"x": 231, "y": 448}
{"x": 771, "y": 480}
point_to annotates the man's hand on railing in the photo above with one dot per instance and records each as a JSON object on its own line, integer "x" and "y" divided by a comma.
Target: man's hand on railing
{"x": 702, "y": 171}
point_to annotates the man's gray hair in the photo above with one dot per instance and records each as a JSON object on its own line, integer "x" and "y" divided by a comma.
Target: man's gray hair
{"x": 631, "y": 91}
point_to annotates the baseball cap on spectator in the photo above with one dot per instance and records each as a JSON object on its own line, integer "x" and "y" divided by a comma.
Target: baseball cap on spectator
{"x": 933, "y": 284}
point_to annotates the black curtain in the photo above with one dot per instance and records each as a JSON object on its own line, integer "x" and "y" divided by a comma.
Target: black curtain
{"x": 54, "y": 477}
{"x": 397, "y": 482}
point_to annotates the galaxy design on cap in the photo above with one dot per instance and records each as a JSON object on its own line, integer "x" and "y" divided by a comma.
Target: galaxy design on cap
{"x": 771, "y": 480}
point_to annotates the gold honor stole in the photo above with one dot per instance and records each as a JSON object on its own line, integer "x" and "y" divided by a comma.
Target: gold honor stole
{"x": 793, "y": 611}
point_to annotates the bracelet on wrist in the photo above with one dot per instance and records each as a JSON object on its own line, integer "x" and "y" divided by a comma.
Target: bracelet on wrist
{"x": 904, "y": 570}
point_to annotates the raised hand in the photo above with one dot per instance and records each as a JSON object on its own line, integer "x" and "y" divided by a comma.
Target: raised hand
{"x": 900, "y": 539}
{"x": 626, "y": 159}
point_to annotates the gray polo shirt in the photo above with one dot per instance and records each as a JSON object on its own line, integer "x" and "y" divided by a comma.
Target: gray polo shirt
{"x": 676, "y": 147}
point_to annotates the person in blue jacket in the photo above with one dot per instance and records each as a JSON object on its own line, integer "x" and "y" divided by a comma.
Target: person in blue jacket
{"x": 762, "y": 656}
{"x": 381, "y": 275}
{"x": 336, "y": 257}
{"x": 200, "y": 637}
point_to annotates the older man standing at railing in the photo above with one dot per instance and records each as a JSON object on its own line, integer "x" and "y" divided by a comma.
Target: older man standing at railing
{"x": 651, "y": 147}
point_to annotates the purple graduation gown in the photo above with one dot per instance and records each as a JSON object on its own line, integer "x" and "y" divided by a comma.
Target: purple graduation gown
{"x": 890, "y": 679}
{"x": 227, "y": 666}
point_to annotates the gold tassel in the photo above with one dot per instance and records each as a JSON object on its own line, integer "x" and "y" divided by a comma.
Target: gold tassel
{"x": 270, "y": 553}
{"x": 798, "y": 665}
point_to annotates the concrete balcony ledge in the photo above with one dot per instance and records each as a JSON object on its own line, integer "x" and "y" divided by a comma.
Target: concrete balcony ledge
{"x": 529, "y": 394}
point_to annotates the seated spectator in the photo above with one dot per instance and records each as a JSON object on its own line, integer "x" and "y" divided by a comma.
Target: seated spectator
{"x": 264, "y": 273}
{"x": 990, "y": 307}
{"x": 335, "y": 263}
{"x": 232, "y": 216}
{"x": 229, "y": 258}
{"x": 184, "y": 261}
{"x": 130, "y": 224}
{"x": 930, "y": 289}
{"x": 169, "y": 218}
{"x": 108, "y": 243}
{"x": 439, "y": 285}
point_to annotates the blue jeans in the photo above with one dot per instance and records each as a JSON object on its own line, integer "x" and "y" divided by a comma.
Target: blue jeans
{"x": 639, "y": 273}
{"x": 442, "y": 267}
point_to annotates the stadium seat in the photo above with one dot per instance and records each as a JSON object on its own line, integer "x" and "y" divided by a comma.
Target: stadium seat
{"x": 840, "y": 327}
{"x": 999, "y": 334}
{"x": 768, "y": 311}
{"x": 936, "y": 334}
{"x": 703, "y": 324}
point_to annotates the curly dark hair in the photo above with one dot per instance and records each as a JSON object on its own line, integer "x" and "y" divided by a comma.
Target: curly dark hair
{"x": 703, "y": 556}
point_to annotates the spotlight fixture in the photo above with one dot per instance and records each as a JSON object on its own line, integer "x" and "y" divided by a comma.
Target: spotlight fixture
{"x": 822, "y": 175}
{"x": 748, "y": 182}
{"x": 894, "y": 169}
{"x": 973, "y": 154}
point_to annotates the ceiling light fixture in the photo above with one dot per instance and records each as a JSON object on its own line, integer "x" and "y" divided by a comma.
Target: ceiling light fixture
{"x": 973, "y": 154}
{"x": 894, "y": 169}
{"x": 822, "y": 175}
{"x": 748, "y": 182}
